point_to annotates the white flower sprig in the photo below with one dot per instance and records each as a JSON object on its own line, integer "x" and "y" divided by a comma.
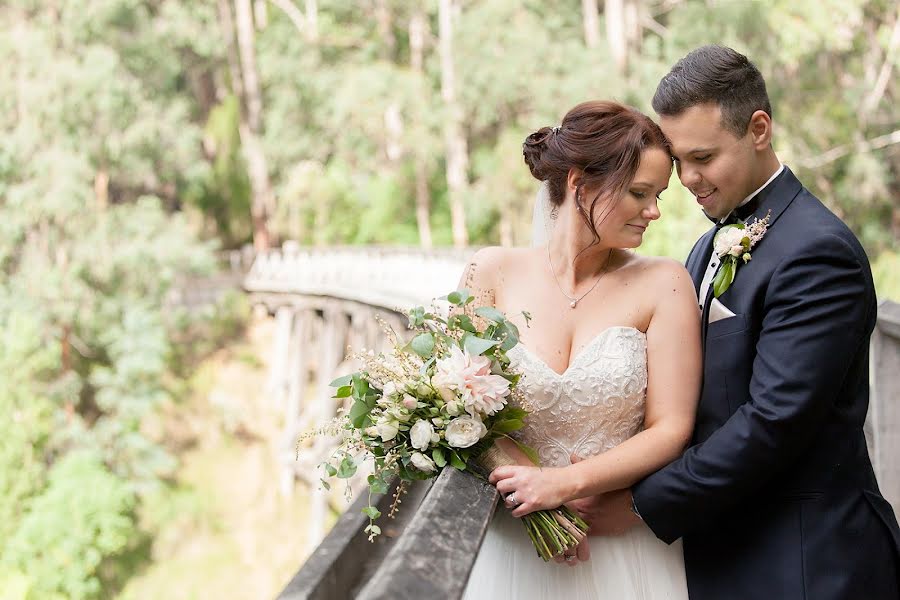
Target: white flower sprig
{"x": 734, "y": 242}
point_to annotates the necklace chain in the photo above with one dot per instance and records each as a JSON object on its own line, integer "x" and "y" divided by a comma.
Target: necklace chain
{"x": 573, "y": 302}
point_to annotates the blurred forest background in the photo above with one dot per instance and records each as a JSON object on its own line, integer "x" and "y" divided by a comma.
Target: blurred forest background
{"x": 143, "y": 137}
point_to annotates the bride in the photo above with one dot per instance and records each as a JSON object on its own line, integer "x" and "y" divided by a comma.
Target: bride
{"x": 610, "y": 362}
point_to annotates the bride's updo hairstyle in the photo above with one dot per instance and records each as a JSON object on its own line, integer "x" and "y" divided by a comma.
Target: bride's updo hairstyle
{"x": 603, "y": 140}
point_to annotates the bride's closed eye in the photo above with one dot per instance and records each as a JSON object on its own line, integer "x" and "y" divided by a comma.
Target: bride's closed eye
{"x": 643, "y": 195}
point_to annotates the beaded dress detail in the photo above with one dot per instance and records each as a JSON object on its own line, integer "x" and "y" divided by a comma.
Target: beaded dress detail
{"x": 596, "y": 404}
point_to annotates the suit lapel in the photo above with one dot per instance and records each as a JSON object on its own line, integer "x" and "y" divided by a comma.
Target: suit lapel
{"x": 776, "y": 197}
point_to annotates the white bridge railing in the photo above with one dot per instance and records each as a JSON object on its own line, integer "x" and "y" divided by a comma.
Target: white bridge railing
{"x": 391, "y": 278}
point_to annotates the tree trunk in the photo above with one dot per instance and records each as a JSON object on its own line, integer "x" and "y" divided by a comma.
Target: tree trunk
{"x": 261, "y": 13}
{"x": 423, "y": 203}
{"x": 384, "y": 20}
{"x": 633, "y": 28}
{"x": 615, "y": 33}
{"x": 226, "y": 24}
{"x": 245, "y": 35}
{"x": 418, "y": 27}
{"x": 454, "y": 138}
{"x": 250, "y": 129}
{"x": 591, "y": 20}
{"x": 101, "y": 189}
{"x": 393, "y": 126}
{"x": 312, "y": 21}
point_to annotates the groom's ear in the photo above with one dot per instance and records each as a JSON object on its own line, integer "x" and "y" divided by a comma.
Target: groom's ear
{"x": 760, "y": 129}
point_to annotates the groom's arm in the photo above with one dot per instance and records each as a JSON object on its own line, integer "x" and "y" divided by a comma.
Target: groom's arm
{"x": 818, "y": 315}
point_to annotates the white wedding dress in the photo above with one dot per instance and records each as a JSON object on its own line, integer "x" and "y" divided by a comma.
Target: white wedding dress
{"x": 597, "y": 403}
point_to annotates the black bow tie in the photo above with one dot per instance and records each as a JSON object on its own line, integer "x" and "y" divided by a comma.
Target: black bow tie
{"x": 741, "y": 213}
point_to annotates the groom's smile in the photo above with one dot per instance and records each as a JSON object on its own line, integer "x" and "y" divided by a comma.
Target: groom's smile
{"x": 704, "y": 197}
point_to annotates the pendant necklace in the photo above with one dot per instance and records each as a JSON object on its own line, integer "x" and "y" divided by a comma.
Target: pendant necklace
{"x": 573, "y": 302}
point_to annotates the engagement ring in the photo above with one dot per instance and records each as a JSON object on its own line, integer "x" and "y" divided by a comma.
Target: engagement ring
{"x": 511, "y": 498}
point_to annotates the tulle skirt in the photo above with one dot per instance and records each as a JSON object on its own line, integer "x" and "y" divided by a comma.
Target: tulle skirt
{"x": 635, "y": 566}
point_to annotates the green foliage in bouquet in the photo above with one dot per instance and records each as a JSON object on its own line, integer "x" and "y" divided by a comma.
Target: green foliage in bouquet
{"x": 442, "y": 398}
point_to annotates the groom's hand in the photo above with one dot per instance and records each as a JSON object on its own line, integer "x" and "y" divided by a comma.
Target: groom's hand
{"x": 607, "y": 514}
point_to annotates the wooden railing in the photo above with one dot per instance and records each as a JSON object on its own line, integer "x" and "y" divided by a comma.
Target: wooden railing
{"x": 431, "y": 551}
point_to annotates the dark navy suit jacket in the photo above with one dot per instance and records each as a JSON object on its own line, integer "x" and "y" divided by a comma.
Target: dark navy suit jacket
{"x": 776, "y": 497}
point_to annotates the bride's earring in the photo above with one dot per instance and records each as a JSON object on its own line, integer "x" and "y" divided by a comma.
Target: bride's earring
{"x": 554, "y": 212}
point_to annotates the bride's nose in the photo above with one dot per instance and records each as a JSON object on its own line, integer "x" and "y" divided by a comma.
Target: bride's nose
{"x": 651, "y": 211}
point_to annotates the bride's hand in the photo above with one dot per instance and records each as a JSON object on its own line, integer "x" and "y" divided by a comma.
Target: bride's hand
{"x": 534, "y": 488}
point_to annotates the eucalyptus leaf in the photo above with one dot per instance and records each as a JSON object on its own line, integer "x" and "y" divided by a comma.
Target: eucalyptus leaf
{"x": 476, "y": 346}
{"x": 512, "y": 412}
{"x": 379, "y": 486}
{"x": 347, "y": 468}
{"x": 463, "y": 322}
{"x": 438, "y": 455}
{"x": 456, "y": 461}
{"x": 423, "y": 344}
{"x": 342, "y": 381}
{"x": 371, "y": 512}
{"x": 490, "y": 313}
{"x": 508, "y": 425}
{"x": 359, "y": 412}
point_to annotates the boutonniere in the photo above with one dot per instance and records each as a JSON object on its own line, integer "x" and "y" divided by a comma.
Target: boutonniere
{"x": 733, "y": 244}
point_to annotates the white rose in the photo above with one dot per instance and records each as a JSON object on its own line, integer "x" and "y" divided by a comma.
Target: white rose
{"x": 420, "y": 434}
{"x": 463, "y": 432}
{"x": 372, "y": 431}
{"x": 388, "y": 430}
{"x": 389, "y": 389}
{"x": 454, "y": 409}
{"x": 728, "y": 238}
{"x": 422, "y": 462}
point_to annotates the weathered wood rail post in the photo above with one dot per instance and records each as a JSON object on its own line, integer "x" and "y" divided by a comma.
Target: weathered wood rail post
{"x": 883, "y": 422}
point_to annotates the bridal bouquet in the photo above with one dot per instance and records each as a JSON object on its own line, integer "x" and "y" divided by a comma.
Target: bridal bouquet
{"x": 442, "y": 398}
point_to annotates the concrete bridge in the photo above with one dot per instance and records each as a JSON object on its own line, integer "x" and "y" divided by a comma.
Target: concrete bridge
{"x": 325, "y": 301}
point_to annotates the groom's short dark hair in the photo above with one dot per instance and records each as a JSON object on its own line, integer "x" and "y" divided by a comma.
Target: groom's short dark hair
{"x": 714, "y": 74}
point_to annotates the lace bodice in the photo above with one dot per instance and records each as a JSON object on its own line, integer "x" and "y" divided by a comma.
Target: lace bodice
{"x": 597, "y": 403}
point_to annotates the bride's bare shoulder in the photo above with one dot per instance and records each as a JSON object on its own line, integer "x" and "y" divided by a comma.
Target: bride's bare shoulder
{"x": 488, "y": 263}
{"x": 660, "y": 272}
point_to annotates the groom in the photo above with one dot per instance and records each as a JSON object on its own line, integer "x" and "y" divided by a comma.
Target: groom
{"x": 776, "y": 497}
